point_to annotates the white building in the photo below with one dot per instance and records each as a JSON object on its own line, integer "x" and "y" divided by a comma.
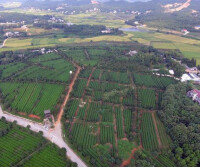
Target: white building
{"x": 171, "y": 72}
{"x": 190, "y": 77}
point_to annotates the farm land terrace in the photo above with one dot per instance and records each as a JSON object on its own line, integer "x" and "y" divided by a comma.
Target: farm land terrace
{"x": 112, "y": 115}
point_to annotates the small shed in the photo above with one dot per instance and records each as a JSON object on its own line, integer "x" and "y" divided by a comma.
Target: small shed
{"x": 47, "y": 113}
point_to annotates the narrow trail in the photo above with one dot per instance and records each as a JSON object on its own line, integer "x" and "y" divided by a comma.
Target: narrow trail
{"x": 156, "y": 128}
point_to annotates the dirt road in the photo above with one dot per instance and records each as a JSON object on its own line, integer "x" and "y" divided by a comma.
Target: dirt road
{"x": 67, "y": 95}
{"x": 4, "y": 42}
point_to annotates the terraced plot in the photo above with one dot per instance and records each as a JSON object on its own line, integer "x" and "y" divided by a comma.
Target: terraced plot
{"x": 21, "y": 147}
{"x": 31, "y": 98}
{"x": 152, "y": 81}
{"x": 147, "y": 98}
{"x": 149, "y": 139}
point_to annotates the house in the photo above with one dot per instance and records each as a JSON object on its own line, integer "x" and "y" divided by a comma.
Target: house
{"x": 192, "y": 70}
{"x": 132, "y": 52}
{"x": 106, "y": 31}
{"x": 195, "y": 95}
{"x": 185, "y": 31}
{"x": 197, "y": 27}
{"x": 171, "y": 72}
{"x": 47, "y": 114}
{"x": 190, "y": 77}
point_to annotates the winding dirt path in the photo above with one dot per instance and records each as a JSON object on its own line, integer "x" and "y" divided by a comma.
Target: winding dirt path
{"x": 67, "y": 95}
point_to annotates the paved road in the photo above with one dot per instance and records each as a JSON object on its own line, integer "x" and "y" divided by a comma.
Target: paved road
{"x": 54, "y": 135}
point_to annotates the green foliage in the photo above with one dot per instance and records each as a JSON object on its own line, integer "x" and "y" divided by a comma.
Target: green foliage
{"x": 149, "y": 138}
{"x": 153, "y": 81}
{"x": 147, "y": 98}
{"x": 31, "y": 98}
{"x": 71, "y": 109}
{"x": 79, "y": 88}
{"x": 125, "y": 147}
{"x": 107, "y": 134}
{"x": 180, "y": 116}
{"x": 49, "y": 156}
{"x": 119, "y": 122}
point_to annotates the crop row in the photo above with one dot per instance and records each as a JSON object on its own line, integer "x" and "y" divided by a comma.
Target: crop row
{"x": 81, "y": 135}
{"x": 118, "y": 77}
{"x": 79, "y": 88}
{"x": 149, "y": 138}
{"x": 152, "y": 81}
{"x": 107, "y": 134}
{"x": 71, "y": 109}
{"x": 147, "y": 98}
{"x": 13, "y": 149}
{"x": 119, "y": 123}
{"x": 31, "y": 98}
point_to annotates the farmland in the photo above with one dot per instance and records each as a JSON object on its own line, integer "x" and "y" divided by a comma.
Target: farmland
{"x": 149, "y": 139}
{"x": 35, "y": 85}
{"x": 152, "y": 81}
{"x": 147, "y": 98}
{"x": 165, "y": 139}
{"x": 106, "y": 109}
{"x": 34, "y": 150}
{"x": 116, "y": 112}
{"x": 188, "y": 47}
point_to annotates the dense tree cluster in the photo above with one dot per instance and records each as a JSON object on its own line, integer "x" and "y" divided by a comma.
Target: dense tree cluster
{"x": 18, "y": 17}
{"x": 181, "y": 117}
{"x": 89, "y": 30}
{"x": 174, "y": 21}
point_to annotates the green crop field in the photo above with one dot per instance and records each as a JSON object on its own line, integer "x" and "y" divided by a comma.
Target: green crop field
{"x": 31, "y": 98}
{"x": 149, "y": 139}
{"x": 33, "y": 151}
{"x": 152, "y": 81}
{"x": 49, "y": 156}
{"x": 165, "y": 161}
{"x": 35, "y": 85}
{"x": 119, "y": 116}
{"x": 147, "y": 98}
{"x": 165, "y": 139}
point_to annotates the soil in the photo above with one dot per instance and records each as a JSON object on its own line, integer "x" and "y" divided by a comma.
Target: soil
{"x": 34, "y": 116}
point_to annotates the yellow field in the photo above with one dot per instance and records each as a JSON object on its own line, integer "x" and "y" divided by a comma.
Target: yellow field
{"x": 109, "y": 20}
{"x": 15, "y": 42}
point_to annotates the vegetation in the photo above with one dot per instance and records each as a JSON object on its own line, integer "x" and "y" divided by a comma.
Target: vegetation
{"x": 149, "y": 139}
{"x": 182, "y": 129}
{"x": 32, "y": 86}
{"x": 33, "y": 151}
{"x": 147, "y": 98}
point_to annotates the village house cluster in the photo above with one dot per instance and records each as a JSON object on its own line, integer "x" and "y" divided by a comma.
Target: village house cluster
{"x": 195, "y": 95}
{"x": 191, "y": 74}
